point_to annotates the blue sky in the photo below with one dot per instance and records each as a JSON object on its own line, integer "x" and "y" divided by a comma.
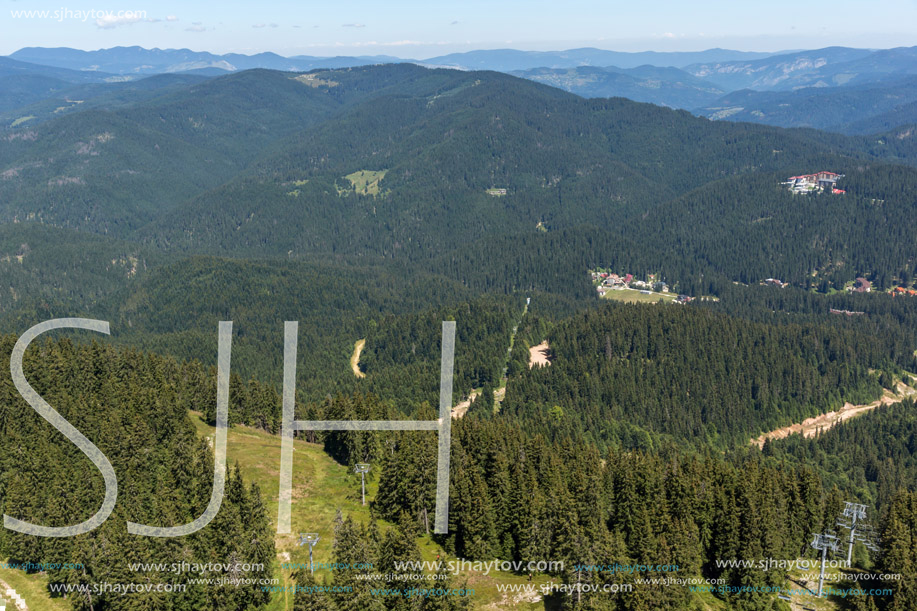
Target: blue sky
{"x": 415, "y": 29}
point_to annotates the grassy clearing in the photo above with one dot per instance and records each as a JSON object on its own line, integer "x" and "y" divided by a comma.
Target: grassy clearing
{"x": 21, "y": 120}
{"x": 635, "y": 296}
{"x": 365, "y": 182}
{"x": 33, "y": 589}
{"x": 809, "y": 577}
{"x": 315, "y": 80}
{"x": 320, "y": 488}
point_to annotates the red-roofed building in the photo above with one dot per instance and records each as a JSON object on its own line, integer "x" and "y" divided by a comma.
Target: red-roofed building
{"x": 814, "y": 182}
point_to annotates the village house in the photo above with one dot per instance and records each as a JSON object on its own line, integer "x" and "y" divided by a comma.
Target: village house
{"x": 820, "y": 181}
{"x": 614, "y": 281}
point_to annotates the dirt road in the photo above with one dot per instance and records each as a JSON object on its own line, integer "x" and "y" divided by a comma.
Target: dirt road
{"x": 355, "y": 358}
{"x": 812, "y": 426}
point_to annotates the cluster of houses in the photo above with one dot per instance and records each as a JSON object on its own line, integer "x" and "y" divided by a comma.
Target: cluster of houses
{"x": 611, "y": 282}
{"x": 860, "y": 285}
{"x": 614, "y": 281}
{"x": 901, "y": 290}
{"x": 820, "y": 181}
{"x": 775, "y": 282}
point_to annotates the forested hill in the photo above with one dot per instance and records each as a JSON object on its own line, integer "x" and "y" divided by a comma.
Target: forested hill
{"x": 435, "y": 133}
{"x": 437, "y": 167}
{"x": 134, "y": 408}
{"x": 626, "y": 374}
{"x": 432, "y": 155}
{"x": 372, "y": 203}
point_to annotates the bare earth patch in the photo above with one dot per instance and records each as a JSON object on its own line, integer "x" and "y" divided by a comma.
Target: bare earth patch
{"x": 461, "y": 408}
{"x": 812, "y": 426}
{"x": 540, "y": 355}
{"x": 355, "y": 358}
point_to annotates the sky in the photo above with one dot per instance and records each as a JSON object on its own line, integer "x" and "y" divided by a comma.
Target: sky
{"x": 421, "y": 29}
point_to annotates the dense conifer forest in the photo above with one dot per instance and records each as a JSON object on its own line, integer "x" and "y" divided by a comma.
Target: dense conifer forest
{"x": 370, "y": 204}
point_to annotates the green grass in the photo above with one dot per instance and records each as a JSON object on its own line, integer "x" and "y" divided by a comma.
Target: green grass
{"x": 635, "y": 296}
{"x": 320, "y": 488}
{"x": 33, "y": 588}
{"x": 366, "y": 182}
{"x": 830, "y": 603}
{"x": 21, "y": 120}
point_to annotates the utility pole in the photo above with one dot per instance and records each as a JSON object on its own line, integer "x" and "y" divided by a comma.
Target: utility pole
{"x": 852, "y": 519}
{"x": 362, "y": 468}
{"x": 309, "y": 539}
{"x": 824, "y": 542}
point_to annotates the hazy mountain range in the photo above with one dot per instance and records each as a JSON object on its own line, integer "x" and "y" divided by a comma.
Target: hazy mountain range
{"x": 837, "y": 88}
{"x": 137, "y": 60}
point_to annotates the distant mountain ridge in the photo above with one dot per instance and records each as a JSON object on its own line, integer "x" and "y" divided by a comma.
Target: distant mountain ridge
{"x": 663, "y": 86}
{"x": 846, "y": 109}
{"x": 507, "y": 60}
{"x": 841, "y": 89}
{"x": 140, "y": 61}
{"x": 827, "y": 67}
{"x": 22, "y": 83}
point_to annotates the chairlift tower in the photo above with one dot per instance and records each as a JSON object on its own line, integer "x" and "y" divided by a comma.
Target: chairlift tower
{"x": 824, "y": 542}
{"x": 310, "y": 539}
{"x": 852, "y": 519}
{"x": 362, "y": 468}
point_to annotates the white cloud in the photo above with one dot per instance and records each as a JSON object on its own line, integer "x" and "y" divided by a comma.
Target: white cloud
{"x": 354, "y": 25}
{"x": 274, "y": 25}
{"x": 258, "y": 25}
{"x": 171, "y": 18}
{"x": 109, "y": 21}
{"x": 454, "y": 23}
{"x": 196, "y": 28}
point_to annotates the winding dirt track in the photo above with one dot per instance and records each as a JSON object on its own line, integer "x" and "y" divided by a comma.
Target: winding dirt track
{"x": 355, "y": 358}
{"x": 817, "y": 424}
